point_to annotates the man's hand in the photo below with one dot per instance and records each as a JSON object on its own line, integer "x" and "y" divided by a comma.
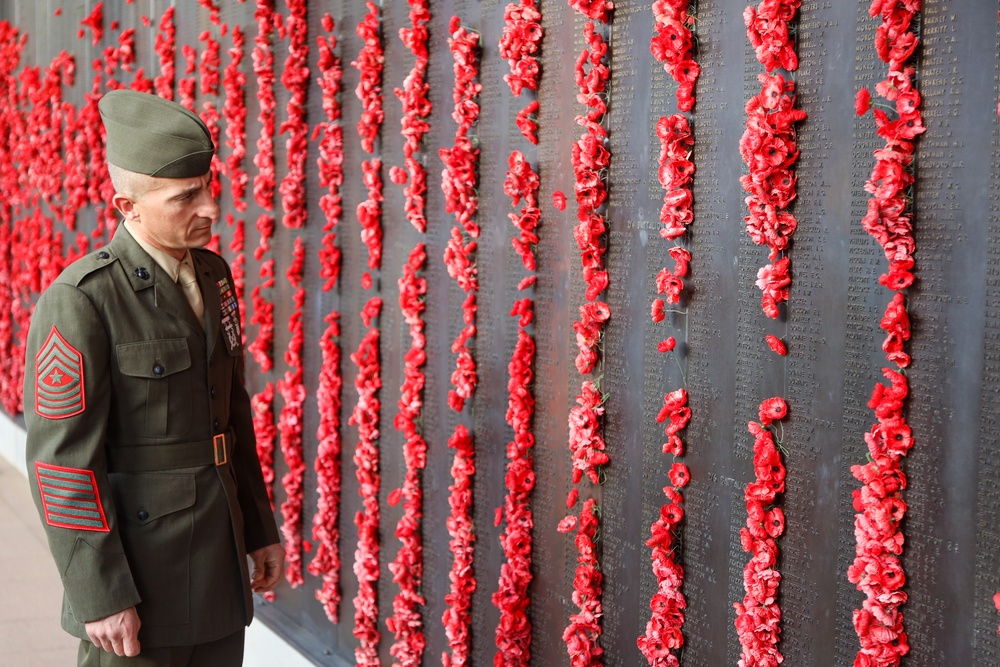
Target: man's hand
{"x": 117, "y": 633}
{"x": 267, "y": 565}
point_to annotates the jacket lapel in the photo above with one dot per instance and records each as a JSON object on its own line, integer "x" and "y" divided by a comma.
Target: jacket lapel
{"x": 143, "y": 272}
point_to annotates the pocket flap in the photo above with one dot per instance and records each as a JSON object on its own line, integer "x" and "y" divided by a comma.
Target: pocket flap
{"x": 144, "y": 497}
{"x": 153, "y": 359}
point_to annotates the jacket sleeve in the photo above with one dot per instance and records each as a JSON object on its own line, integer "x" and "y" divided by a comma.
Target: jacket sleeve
{"x": 260, "y": 529}
{"x": 67, "y": 398}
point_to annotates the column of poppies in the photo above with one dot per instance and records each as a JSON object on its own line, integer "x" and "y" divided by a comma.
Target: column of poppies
{"x": 458, "y": 183}
{"x": 208, "y": 85}
{"x": 672, "y": 44}
{"x": 369, "y": 378}
{"x": 295, "y": 78}
{"x": 520, "y": 45}
{"x": 877, "y": 570}
{"x": 234, "y": 110}
{"x": 406, "y": 623}
{"x": 165, "y": 46}
{"x": 591, "y": 160}
{"x": 330, "y": 166}
{"x": 768, "y": 146}
{"x": 261, "y": 348}
{"x": 293, "y": 394}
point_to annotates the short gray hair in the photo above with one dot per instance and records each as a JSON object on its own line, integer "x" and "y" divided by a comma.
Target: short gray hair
{"x": 129, "y": 183}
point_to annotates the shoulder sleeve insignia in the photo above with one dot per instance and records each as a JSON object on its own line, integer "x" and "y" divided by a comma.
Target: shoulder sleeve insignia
{"x": 70, "y": 498}
{"x": 59, "y": 391}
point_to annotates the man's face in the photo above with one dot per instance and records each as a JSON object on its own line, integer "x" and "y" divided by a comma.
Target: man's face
{"x": 174, "y": 214}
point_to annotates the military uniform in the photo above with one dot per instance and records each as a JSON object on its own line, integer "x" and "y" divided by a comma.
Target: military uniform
{"x": 141, "y": 443}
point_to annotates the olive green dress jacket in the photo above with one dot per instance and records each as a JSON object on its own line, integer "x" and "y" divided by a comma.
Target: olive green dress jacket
{"x": 141, "y": 446}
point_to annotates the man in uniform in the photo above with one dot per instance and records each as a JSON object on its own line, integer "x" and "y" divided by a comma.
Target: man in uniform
{"x": 140, "y": 432}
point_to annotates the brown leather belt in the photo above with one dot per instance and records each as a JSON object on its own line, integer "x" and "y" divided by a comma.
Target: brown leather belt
{"x": 148, "y": 458}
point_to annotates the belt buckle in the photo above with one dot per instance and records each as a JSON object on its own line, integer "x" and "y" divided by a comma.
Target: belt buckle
{"x": 219, "y": 442}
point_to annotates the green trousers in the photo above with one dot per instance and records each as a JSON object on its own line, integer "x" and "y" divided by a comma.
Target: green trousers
{"x": 225, "y": 652}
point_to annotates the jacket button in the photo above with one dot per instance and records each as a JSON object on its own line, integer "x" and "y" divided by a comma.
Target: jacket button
{"x": 158, "y": 369}
{"x": 142, "y": 515}
{"x": 103, "y": 255}
{"x": 212, "y": 391}
{"x": 141, "y": 273}
{"x": 215, "y": 425}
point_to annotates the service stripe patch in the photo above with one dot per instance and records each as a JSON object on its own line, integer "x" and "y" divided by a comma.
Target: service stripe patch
{"x": 59, "y": 386}
{"x": 70, "y": 498}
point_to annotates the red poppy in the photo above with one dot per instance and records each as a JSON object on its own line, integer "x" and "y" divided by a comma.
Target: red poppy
{"x": 666, "y": 345}
{"x": 772, "y": 409}
{"x": 862, "y": 101}
{"x": 679, "y": 475}
{"x": 776, "y": 344}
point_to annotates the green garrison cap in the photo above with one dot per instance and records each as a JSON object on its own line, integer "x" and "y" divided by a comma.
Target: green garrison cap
{"x": 153, "y": 136}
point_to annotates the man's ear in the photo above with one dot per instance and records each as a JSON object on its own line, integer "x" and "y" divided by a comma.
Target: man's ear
{"x": 125, "y": 206}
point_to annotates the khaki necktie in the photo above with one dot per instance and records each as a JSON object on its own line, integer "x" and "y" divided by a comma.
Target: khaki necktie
{"x": 189, "y": 283}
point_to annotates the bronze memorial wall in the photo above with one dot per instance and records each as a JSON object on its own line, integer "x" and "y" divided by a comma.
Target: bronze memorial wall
{"x": 832, "y": 322}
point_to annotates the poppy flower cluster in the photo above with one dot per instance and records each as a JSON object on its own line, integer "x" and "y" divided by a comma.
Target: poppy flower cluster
{"x": 889, "y": 220}
{"x": 187, "y": 86}
{"x": 877, "y": 568}
{"x": 263, "y": 309}
{"x": 769, "y": 34}
{"x": 591, "y": 160}
{"x": 208, "y": 84}
{"x": 95, "y": 22}
{"x": 296, "y": 78}
{"x": 758, "y": 616}
{"x": 461, "y": 160}
{"x": 595, "y": 10}
{"x": 330, "y": 163}
{"x": 266, "y": 433}
{"x": 261, "y": 347}
{"x": 663, "y": 631}
{"x": 326, "y": 522}
{"x": 365, "y": 417}
{"x": 212, "y": 8}
{"x": 416, "y": 109}
{"x": 768, "y": 147}
{"x": 369, "y": 89}
{"x": 676, "y": 170}
{"x": 519, "y": 45}
{"x": 237, "y": 265}
{"x": 457, "y": 616}
{"x": 263, "y": 69}
{"x": 512, "y": 598}
{"x": 407, "y": 568}
{"x": 583, "y": 632}
{"x": 234, "y": 110}
{"x": 522, "y": 181}
{"x": 293, "y": 394}
{"x": 673, "y": 45}
{"x": 165, "y": 47}
{"x": 458, "y": 183}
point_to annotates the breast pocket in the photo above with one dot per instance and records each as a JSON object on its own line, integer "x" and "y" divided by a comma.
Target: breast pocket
{"x": 154, "y": 384}
{"x": 156, "y": 521}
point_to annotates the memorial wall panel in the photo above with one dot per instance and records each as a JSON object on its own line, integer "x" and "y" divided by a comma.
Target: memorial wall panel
{"x": 831, "y": 321}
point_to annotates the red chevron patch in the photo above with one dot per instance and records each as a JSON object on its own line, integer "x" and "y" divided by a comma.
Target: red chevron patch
{"x": 59, "y": 388}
